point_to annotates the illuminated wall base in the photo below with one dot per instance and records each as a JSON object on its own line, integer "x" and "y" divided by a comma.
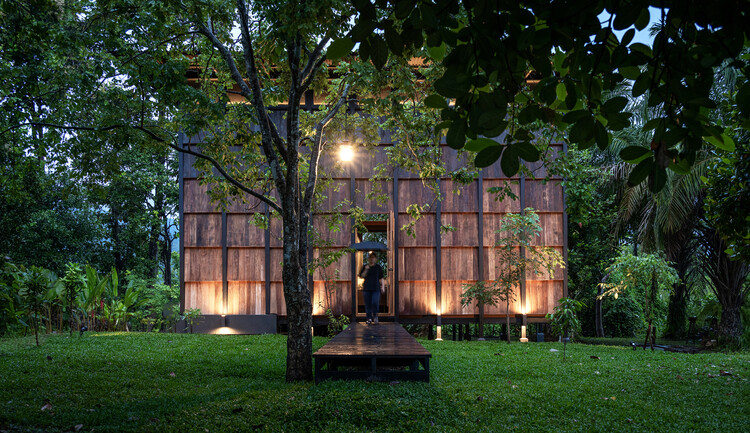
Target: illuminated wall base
{"x": 232, "y": 324}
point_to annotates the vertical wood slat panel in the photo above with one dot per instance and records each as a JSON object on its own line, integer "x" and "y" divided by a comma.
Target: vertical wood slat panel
{"x": 340, "y": 298}
{"x": 451, "y": 305}
{"x": 465, "y": 234}
{"x": 413, "y": 191}
{"x": 202, "y": 230}
{"x": 246, "y": 264}
{"x": 459, "y": 263}
{"x": 202, "y": 264}
{"x": 458, "y": 197}
{"x": 417, "y": 297}
{"x": 340, "y": 270}
{"x": 544, "y": 197}
{"x": 424, "y": 231}
{"x": 543, "y": 296}
{"x": 204, "y": 295}
{"x": 242, "y": 233}
{"x": 246, "y": 297}
{"x": 278, "y": 306}
{"x": 417, "y": 264}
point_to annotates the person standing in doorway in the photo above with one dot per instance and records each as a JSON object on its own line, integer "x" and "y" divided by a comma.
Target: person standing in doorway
{"x": 372, "y": 273}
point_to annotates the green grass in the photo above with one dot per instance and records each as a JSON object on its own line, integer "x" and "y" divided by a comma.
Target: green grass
{"x": 639, "y": 339}
{"x": 123, "y": 382}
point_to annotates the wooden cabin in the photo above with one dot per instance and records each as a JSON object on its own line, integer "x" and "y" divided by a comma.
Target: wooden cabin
{"x": 231, "y": 270}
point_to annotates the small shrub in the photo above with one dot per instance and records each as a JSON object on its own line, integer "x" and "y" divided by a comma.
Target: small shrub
{"x": 564, "y": 320}
{"x": 191, "y": 317}
{"x": 336, "y": 324}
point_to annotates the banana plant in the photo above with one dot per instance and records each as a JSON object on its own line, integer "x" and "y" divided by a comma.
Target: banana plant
{"x": 89, "y": 299}
{"x": 51, "y": 301}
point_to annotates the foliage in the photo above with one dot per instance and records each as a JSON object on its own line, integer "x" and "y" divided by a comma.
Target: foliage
{"x": 516, "y": 254}
{"x": 242, "y": 385}
{"x": 72, "y": 282}
{"x": 591, "y": 206}
{"x": 483, "y": 293}
{"x": 564, "y": 320}
{"x": 488, "y": 49}
{"x": 32, "y": 286}
{"x": 191, "y": 317}
{"x": 647, "y": 274}
{"x": 728, "y": 195}
{"x": 622, "y": 317}
{"x": 336, "y": 324}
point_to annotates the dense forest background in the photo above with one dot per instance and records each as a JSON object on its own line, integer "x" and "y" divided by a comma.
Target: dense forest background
{"x": 87, "y": 177}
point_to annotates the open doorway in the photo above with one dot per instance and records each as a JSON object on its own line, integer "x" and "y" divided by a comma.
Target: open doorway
{"x": 378, "y": 230}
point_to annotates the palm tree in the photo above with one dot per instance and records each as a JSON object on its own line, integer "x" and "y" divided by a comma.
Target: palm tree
{"x": 666, "y": 220}
{"x": 672, "y": 219}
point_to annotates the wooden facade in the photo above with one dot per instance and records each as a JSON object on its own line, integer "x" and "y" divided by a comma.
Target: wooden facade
{"x": 230, "y": 267}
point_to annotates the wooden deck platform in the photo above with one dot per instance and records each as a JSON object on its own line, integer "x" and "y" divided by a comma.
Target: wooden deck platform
{"x": 373, "y": 352}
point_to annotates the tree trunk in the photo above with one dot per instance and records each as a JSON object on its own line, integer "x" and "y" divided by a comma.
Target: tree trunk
{"x": 117, "y": 242}
{"x": 507, "y": 319}
{"x": 153, "y": 237}
{"x": 677, "y": 312}
{"x": 166, "y": 253}
{"x": 730, "y": 325}
{"x": 728, "y": 277}
{"x": 297, "y": 297}
{"x": 598, "y": 310}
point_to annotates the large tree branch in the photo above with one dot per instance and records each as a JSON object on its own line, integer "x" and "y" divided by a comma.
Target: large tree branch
{"x": 312, "y": 176}
{"x": 156, "y": 137}
{"x": 315, "y": 59}
{"x": 226, "y": 175}
{"x": 254, "y": 95}
{"x": 228, "y": 59}
{"x": 268, "y": 129}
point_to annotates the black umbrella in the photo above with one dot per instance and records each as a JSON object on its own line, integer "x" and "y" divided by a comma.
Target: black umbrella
{"x": 369, "y": 246}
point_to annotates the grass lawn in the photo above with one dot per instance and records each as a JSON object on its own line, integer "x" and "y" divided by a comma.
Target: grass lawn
{"x": 198, "y": 383}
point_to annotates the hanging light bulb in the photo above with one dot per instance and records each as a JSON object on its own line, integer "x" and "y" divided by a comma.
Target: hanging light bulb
{"x": 346, "y": 152}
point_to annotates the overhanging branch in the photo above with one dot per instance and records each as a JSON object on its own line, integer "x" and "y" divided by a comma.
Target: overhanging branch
{"x": 156, "y": 137}
{"x": 312, "y": 176}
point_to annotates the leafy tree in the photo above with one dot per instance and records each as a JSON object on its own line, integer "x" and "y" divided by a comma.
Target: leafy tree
{"x": 516, "y": 255}
{"x": 590, "y": 202}
{"x": 32, "y": 288}
{"x": 72, "y": 283}
{"x": 564, "y": 320}
{"x": 728, "y": 187}
{"x": 647, "y": 272}
{"x": 557, "y": 59}
{"x": 278, "y": 57}
{"x": 486, "y": 293}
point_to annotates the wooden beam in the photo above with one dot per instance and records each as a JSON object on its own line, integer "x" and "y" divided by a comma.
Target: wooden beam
{"x": 565, "y": 233}
{"x": 181, "y": 204}
{"x": 480, "y": 224}
{"x": 480, "y": 234}
{"x": 438, "y": 259}
{"x": 395, "y": 244}
{"x": 224, "y": 266}
{"x": 522, "y": 283}
{"x": 353, "y": 255}
{"x": 267, "y": 265}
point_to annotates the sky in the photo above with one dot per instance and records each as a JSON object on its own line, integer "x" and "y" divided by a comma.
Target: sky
{"x": 641, "y": 36}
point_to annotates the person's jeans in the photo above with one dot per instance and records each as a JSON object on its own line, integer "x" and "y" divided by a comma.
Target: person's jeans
{"x": 372, "y": 303}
